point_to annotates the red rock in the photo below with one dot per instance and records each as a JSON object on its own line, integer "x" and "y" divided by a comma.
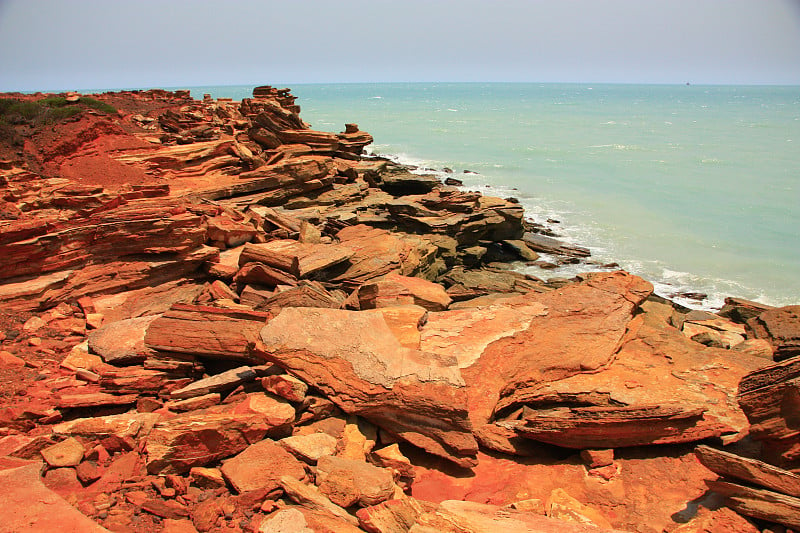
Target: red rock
{"x": 121, "y": 342}
{"x": 392, "y": 458}
{"x": 405, "y": 322}
{"x": 285, "y": 386}
{"x": 93, "y": 399}
{"x": 229, "y": 232}
{"x": 68, "y": 452}
{"x": 223, "y": 381}
{"x": 769, "y": 398}
{"x": 207, "y": 331}
{"x": 165, "y": 509}
{"x": 261, "y": 274}
{"x": 63, "y": 481}
{"x": 759, "y": 503}
{"x": 208, "y": 478}
{"x": 178, "y": 526}
{"x": 220, "y": 291}
{"x": 752, "y": 471}
{"x": 193, "y": 404}
{"x": 324, "y": 522}
{"x": 455, "y": 516}
{"x": 124, "y": 468}
{"x": 523, "y": 353}
{"x": 595, "y": 458}
{"x": 310, "y": 447}
{"x": 261, "y": 466}
{"x": 394, "y": 289}
{"x": 741, "y": 310}
{"x": 205, "y": 514}
{"x": 127, "y": 424}
{"x": 277, "y": 412}
{"x": 310, "y": 497}
{"x": 717, "y": 521}
{"x": 286, "y": 521}
{"x": 362, "y": 373}
{"x": 305, "y": 294}
{"x": 197, "y": 439}
{"x": 88, "y": 472}
{"x": 378, "y": 252}
{"x": 781, "y": 327}
{"x": 10, "y": 360}
{"x": 301, "y": 260}
{"x": 628, "y": 500}
{"x": 562, "y": 506}
{"x": 29, "y": 506}
{"x": 347, "y": 482}
{"x": 392, "y": 516}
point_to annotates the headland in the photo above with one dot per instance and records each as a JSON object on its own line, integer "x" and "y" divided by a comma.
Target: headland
{"x": 216, "y": 318}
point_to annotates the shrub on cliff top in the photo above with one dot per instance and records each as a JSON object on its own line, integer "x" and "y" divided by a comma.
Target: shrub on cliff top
{"x": 47, "y": 110}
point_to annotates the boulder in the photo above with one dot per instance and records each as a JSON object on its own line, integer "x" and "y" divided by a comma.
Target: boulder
{"x": 310, "y": 497}
{"x": 122, "y": 342}
{"x": 285, "y": 386}
{"x": 134, "y": 425}
{"x": 394, "y": 289}
{"x": 392, "y": 516}
{"x": 261, "y": 466}
{"x": 752, "y": 471}
{"x": 348, "y": 482}
{"x": 68, "y": 452}
{"x": 301, "y": 260}
{"x": 310, "y": 447}
{"x": 413, "y": 394}
{"x": 759, "y": 503}
{"x": 192, "y": 439}
{"x": 741, "y": 310}
{"x": 781, "y": 327}
{"x": 208, "y": 331}
{"x": 378, "y": 252}
{"x": 770, "y": 397}
{"x": 224, "y": 230}
{"x": 566, "y": 367}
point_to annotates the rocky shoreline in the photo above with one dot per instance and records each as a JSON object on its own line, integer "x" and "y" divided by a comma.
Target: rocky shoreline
{"x": 218, "y": 319}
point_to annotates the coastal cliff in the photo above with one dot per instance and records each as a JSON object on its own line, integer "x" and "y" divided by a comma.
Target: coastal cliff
{"x": 215, "y": 318}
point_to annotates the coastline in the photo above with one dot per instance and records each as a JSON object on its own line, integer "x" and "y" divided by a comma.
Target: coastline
{"x": 216, "y": 316}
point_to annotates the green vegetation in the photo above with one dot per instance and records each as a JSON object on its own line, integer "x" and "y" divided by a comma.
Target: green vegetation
{"x": 48, "y": 110}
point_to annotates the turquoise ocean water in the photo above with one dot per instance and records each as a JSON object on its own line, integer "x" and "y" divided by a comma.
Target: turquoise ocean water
{"x": 696, "y": 188}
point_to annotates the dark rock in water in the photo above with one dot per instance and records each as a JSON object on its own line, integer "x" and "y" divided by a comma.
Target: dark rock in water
{"x": 781, "y": 328}
{"x": 548, "y": 245}
{"x": 406, "y": 183}
{"x": 447, "y": 170}
{"x": 545, "y": 265}
{"x": 611, "y": 265}
{"x": 453, "y": 181}
{"x": 512, "y": 200}
{"x": 697, "y": 296}
{"x": 741, "y": 310}
{"x": 468, "y": 172}
{"x": 553, "y": 221}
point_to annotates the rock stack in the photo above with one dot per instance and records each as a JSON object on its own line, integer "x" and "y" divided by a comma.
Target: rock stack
{"x": 218, "y": 319}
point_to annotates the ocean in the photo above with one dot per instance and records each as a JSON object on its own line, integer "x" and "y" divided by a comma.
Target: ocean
{"x": 695, "y": 188}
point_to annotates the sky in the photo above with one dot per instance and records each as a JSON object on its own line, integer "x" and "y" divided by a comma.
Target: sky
{"x": 54, "y": 45}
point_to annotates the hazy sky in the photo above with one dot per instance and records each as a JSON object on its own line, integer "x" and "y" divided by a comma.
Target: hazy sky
{"x": 98, "y": 44}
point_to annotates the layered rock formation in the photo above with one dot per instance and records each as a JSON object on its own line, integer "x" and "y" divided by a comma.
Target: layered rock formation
{"x": 218, "y": 319}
